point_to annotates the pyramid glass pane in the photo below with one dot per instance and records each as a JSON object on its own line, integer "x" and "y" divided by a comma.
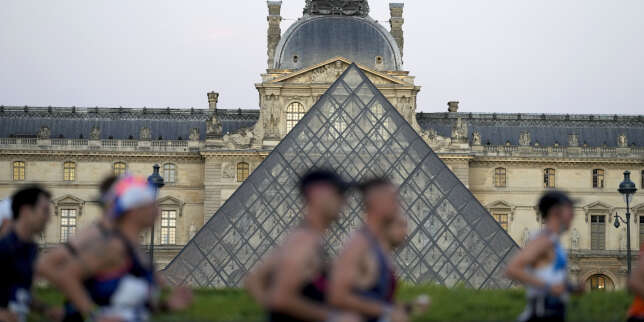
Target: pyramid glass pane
{"x": 354, "y": 129}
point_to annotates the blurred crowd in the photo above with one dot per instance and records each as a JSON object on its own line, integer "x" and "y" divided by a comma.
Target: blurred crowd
{"x": 104, "y": 275}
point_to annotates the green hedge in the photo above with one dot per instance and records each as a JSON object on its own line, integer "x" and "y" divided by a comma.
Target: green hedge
{"x": 456, "y": 304}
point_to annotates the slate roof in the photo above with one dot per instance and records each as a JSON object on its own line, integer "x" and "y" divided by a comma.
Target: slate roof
{"x": 314, "y": 39}
{"x": 547, "y": 129}
{"x": 117, "y": 123}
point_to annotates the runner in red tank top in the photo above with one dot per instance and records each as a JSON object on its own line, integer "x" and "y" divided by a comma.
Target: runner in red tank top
{"x": 636, "y": 285}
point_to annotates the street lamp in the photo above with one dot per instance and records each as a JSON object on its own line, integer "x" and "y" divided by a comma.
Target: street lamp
{"x": 155, "y": 180}
{"x": 627, "y": 189}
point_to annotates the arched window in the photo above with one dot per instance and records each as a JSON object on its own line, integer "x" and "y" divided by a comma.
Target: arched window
{"x": 500, "y": 179}
{"x": 243, "y": 170}
{"x": 294, "y": 113}
{"x": 170, "y": 173}
{"x": 18, "y": 170}
{"x": 69, "y": 171}
{"x": 549, "y": 178}
{"x": 119, "y": 168}
{"x": 599, "y": 282}
{"x": 598, "y": 178}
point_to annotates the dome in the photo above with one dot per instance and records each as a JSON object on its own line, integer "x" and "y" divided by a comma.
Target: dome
{"x": 315, "y": 39}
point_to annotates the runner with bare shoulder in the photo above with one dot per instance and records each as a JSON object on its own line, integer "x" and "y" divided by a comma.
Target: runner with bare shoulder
{"x": 51, "y": 265}
{"x": 542, "y": 265}
{"x": 114, "y": 281}
{"x": 363, "y": 279}
{"x": 291, "y": 282}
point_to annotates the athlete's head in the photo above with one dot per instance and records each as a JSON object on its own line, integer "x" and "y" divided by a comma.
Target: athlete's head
{"x": 133, "y": 199}
{"x": 323, "y": 191}
{"x": 556, "y": 205}
{"x": 380, "y": 198}
{"x": 396, "y": 232}
{"x": 30, "y": 206}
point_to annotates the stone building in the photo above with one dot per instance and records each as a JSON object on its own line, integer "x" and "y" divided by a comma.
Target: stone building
{"x": 506, "y": 160}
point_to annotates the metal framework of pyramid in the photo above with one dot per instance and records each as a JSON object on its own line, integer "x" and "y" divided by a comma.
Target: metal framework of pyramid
{"x": 354, "y": 129}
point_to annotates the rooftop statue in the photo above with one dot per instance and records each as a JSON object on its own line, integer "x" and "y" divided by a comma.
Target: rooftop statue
{"x": 337, "y": 7}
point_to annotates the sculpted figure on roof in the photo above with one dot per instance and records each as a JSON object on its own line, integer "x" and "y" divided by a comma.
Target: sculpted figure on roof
{"x": 337, "y": 7}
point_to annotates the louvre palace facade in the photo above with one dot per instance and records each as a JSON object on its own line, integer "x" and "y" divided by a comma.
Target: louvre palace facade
{"x": 505, "y": 160}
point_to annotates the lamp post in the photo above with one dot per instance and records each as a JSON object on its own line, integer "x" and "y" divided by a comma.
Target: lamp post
{"x": 627, "y": 189}
{"x": 155, "y": 180}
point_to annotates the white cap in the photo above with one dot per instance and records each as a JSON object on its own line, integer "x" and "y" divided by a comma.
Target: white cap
{"x": 5, "y": 210}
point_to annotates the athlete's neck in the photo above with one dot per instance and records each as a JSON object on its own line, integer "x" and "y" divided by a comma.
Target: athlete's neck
{"x": 23, "y": 231}
{"x": 553, "y": 225}
{"x": 374, "y": 225}
{"x": 130, "y": 231}
{"x": 316, "y": 220}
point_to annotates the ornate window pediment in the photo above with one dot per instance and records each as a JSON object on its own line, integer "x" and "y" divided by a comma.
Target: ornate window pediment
{"x": 68, "y": 201}
{"x": 501, "y": 206}
{"x": 597, "y": 207}
{"x": 169, "y": 202}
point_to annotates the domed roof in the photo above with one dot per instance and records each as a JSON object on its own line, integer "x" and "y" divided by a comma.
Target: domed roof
{"x": 314, "y": 39}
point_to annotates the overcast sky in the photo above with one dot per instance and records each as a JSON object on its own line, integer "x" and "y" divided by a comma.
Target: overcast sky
{"x": 539, "y": 56}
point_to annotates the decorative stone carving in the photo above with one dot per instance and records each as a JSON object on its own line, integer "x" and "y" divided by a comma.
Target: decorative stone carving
{"x": 525, "y": 237}
{"x": 145, "y": 133}
{"x": 213, "y": 127}
{"x": 228, "y": 171}
{"x": 337, "y": 7}
{"x": 525, "y": 138}
{"x": 328, "y": 73}
{"x": 575, "y": 236}
{"x": 243, "y": 138}
{"x": 95, "y": 134}
{"x": 622, "y": 141}
{"x": 476, "y": 138}
{"x": 44, "y": 133}
{"x": 194, "y": 134}
{"x": 459, "y": 131}
{"x": 573, "y": 139}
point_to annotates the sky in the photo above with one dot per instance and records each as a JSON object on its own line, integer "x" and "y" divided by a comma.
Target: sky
{"x": 538, "y": 56}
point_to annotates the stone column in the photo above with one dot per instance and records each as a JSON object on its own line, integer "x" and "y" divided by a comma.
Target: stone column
{"x": 396, "y": 22}
{"x": 274, "y": 31}
{"x": 213, "y": 98}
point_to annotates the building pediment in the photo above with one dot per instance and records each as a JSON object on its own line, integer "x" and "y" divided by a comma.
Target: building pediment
{"x": 68, "y": 200}
{"x": 329, "y": 71}
{"x": 597, "y": 207}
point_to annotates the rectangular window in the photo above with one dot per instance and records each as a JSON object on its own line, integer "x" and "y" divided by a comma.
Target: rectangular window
{"x": 502, "y": 219}
{"x": 67, "y": 224}
{"x": 69, "y": 171}
{"x": 168, "y": 227}
{"x": 119, "y": 169}
{"x": 598, "y": 232}
{"x": 500, "y": 178}
{"x": 549, "y": 178}
{"x": 641, "y": 228}
{"x": 18, "y": 171}
{"x": 598, "y": 178}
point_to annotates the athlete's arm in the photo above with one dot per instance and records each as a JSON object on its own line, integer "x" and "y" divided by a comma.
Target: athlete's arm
{"x": 285, "y": 295}
{"x": 528, "y": 257}
{"x": 85, "y": 265}
{"x": 346, "y": 270}
{"x": 636, "y": 280}
{"x": 257, "y": 281}
{"x": 49, "y": 264}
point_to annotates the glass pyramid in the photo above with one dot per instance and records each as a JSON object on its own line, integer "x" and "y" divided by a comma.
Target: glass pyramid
{"x": 355, "y": 130}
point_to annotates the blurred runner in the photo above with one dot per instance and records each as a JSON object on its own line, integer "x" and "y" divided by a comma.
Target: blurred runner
{"x": 542, "y": 265}
{"x": 5, "y": 216}
{"x": 113, "y": 280}
{"x": 18, "y": 251}
{"x": 51, "y": 265}
{"x": 363, "y": 278}
{"x": 636, "y": 286}
{"x": 291, "y": 282}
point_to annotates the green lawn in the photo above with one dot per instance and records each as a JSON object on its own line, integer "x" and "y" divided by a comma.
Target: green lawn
{"x": 457, "y": 304}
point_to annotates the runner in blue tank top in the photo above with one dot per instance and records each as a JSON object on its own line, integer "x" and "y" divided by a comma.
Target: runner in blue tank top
{"x": 18, "y": 251}
{"x": 116, "y": 281}
{"x": 542, "y": 265}
{"x": 363, "y": 278}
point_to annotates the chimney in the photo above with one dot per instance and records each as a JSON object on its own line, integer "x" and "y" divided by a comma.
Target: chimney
{"x": 396, "y": 22}
{"x": 213, "y": 98}
{"x": 452, "y": 106}
{"x": 274, "y": 30}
